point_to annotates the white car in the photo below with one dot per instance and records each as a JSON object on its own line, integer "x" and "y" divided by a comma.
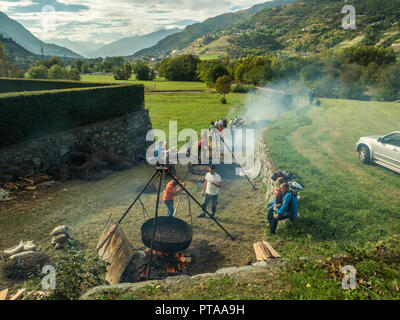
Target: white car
{"x": 382, "y": 150}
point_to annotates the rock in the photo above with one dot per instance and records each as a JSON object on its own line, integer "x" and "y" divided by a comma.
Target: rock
{"x": 246, "y": 268}
{"x": 60, "y": 245}
{"x": 228, "y": 271}
{"x": 64, "y": 229}
{"x": 260, "y": 264}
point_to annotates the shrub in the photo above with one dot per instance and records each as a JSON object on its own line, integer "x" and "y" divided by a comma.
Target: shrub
{"x": 77, "y": 272}
{"x": 223, "y": 100}
{"x": 37, "y": 114}
{"x": 39, "y": 72}
{"x": 239, "y": 88}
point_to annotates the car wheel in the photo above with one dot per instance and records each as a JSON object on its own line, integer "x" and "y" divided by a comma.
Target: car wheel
{"x": 363, "y": 155}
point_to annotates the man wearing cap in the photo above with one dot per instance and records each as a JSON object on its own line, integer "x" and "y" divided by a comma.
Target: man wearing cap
{"x": 288, "y": 209}
{"x": 211, "y": 187}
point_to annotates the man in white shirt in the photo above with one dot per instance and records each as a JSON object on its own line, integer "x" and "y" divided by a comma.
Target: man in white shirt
{"x": 212, "y": 185}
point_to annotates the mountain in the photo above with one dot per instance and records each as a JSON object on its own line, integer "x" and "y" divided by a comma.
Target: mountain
{"x": 17, "y": 53}
{"x": 195, "y": 31}
{"x": 306, "y": 27}
{"x": 10, "y": 28}
{"x": 130, "y": 45}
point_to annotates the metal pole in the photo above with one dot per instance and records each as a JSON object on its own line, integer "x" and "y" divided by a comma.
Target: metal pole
{"x": 199, "y": 204}
{"x": 155, "y": 223}
{"x": 126, "y": 212}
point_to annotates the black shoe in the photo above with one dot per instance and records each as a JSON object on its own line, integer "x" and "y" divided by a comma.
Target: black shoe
{"x": 201, "y": 216}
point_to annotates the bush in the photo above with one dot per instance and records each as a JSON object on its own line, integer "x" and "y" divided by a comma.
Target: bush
{"x": 37, "y": 114}
{"x": 39, "y": 72}
{"x": 19, "y": 85}
{"x": 78, "y": 272}
{"x": 223, "y": 100}
{"x": 239, "y": 88}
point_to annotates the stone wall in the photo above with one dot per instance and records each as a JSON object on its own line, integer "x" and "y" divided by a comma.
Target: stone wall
{"x": 269, "y": 185}
{"x": 125, "y": 135}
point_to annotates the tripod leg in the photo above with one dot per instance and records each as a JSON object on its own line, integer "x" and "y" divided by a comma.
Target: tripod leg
{"x": 199, "y": 204}
{"x": 115, "y": 226}
{"x": 154, "y": 226}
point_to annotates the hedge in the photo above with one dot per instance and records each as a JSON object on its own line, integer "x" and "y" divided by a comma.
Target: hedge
{"x": 21, "y": 85}
{"x": 30, "y": 115}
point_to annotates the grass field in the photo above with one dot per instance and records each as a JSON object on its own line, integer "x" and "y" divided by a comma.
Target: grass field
{"x": 191, "y": 110}
{"x": 346, "y": 204}
{"x": 158, "y": 85}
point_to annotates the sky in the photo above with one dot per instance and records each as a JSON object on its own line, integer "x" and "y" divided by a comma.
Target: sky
{"x": 96, "y": 22}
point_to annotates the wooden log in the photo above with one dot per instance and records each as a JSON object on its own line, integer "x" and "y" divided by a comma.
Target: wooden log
{"x": 271, "y": 250}
{"x": 3, "y": 294}
{"x": 261, "y": 251}
{"x": 18, "y": 295}
{"x": 264, "y": 250}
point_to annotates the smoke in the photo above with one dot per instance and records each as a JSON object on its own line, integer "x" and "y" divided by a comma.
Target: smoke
{"x": 264, "y": 106}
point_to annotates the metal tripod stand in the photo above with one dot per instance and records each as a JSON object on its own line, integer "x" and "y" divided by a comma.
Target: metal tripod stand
{"x": 160, "y": 170}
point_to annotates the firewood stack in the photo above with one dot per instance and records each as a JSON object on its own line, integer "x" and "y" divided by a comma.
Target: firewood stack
{"x": 61, "y": 236}
{"x": 264, "y": 251}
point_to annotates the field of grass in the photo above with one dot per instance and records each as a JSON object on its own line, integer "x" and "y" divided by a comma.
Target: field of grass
{"x": 346, "y": 204}
{"x": 156, "y": 85}
{"x": 191, "y": 110}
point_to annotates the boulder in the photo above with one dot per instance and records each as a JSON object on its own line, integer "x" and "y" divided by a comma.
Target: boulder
{"x": 61, "y": 238}
{"x": 14, "y": 250}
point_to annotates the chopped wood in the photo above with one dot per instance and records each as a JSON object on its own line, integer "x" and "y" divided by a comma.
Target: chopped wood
{"x": 18, "y": 295}
{"x": 271, "y": 250}
{"x": 261, "y": 251}
{"x": 3, "y": 294}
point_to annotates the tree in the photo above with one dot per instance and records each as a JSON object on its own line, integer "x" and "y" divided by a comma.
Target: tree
{"x": 124, "y": 73}
{"x": 181, "y": 68}
{"x": 223, "y": 85}
{"x": 73, "y": 74}
{"x": 50, "y": 62}
{"x": 4, "y": 64}
{"x": 210, "y": 71}
{"x": 38, "y": 72}
{"x": 80, "y": 65}
{"x": 58, "y": 72}
{"x": 142, "y": 71}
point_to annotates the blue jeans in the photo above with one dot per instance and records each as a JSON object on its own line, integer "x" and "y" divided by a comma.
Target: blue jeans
{"x": 214, "y": 202}
{"x": 170, "y": 207}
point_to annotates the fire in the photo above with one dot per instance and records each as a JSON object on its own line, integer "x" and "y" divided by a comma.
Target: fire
{"x": 171, "y": 263}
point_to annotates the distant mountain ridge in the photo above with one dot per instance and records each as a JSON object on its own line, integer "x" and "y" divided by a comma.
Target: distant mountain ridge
{"x": 10, "y": 28}
{"x": 195, "y": 31}
{"x": 130, "y": 45}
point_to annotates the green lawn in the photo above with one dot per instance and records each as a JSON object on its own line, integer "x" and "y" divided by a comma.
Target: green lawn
{"x": 346, "y": 204}
{"x": 191, "y": 110}
{"x": 159, "y": 85}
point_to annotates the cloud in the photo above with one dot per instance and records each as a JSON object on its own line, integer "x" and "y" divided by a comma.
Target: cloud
{"x": 106, "y": 21}
{"x": 7, "y": 5}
